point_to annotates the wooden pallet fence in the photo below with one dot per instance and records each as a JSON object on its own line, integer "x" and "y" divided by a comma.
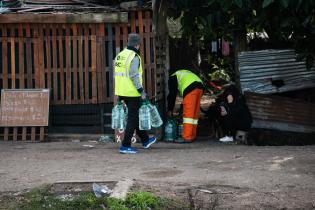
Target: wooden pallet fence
{"x": 75, "y": 61}
{"x": 33, "y": 134}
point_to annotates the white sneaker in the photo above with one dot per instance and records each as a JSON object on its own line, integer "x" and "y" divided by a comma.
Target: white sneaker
{"x": 226, "y": 139}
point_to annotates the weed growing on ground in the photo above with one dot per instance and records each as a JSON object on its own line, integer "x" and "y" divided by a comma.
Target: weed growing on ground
{"x": 42, "y": 199}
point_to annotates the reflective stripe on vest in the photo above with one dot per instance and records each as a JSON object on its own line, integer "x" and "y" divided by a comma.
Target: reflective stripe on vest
{"x": 190, "y": 121}
{"x": 184, "y": 79}
{"x": 123, "y": 84}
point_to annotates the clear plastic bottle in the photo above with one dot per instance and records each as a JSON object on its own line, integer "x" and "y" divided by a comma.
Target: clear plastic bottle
{"x": 170, "y": 130}
{"x": 145, "y": 116}
{"x": 119, "y": 116}
{"x": 156, "y": 120}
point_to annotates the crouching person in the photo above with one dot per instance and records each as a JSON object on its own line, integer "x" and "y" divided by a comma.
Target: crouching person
{"x": 190, "y": 87}
{"x": 234, "y": 114}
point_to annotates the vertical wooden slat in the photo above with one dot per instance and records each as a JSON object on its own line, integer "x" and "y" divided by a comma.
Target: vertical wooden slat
{"x": 21, "y": 57}
{"x": 110, "y": 59}
{"x": 68, "y": 66}
{"x": 94, "y": 63}
{"x": 15, "y": 131}
{"x": 117, "y": 39}
{"x": 125, "y": 34}
{"x": 75, "y": 62}
{"x": 4, "y": 57}
{"x": 6, "y": 134}
{"x": 100, "y": 60}
{"x": 23, "y": 133}
{"x": 133, "y": 22}
{"x": 37, "y": 46}
{"x": 33, "y": 131}
{"x": 42, "y": 133}
{"x": 81, "y": 67}
{"x": 86, "y": 62}
{"x": 140, "y": 22}
{"x": 148, "y": 55}
{"x": 55, "y": 65}
{"x": 29, "y": 52}
{"x": 61, "y": 61}
{"x": 48, "y": 55}
{"x": 12, "y": 61}
{"x": 41, "y": 66}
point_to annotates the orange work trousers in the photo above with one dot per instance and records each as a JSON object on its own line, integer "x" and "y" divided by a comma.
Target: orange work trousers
{"x": 191, "y": 109}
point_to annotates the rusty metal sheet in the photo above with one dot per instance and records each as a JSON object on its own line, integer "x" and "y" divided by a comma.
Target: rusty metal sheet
{"x": 282, "y": 113}
{"x": 273, "y": 71}
{"x": 24, "y": 107}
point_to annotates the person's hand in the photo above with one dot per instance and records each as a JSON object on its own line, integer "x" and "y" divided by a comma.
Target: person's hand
{"x": 143, "y": 95}
{"x": 169, "y": 113}
{"x": 223, "y": 111}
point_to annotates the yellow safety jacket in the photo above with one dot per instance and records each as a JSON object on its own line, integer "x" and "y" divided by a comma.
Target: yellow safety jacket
{"x": 123, "y": 83}
{"x": 184, "y": 79}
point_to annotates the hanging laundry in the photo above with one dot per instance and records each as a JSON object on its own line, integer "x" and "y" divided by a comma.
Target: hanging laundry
{"x": 214, "y": 46}
{"x": 225, "y": 48}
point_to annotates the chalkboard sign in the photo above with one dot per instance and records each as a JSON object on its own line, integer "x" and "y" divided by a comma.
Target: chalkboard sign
{"x": 24, "y": 107}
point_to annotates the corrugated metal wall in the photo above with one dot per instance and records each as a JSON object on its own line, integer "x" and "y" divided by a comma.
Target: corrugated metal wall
{"x": 273, "y": 71}
{"x": 281, "y": 113}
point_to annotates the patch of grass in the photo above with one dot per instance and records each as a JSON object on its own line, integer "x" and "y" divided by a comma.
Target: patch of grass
{"x": 142, "y": 200}
{"x": 42, "y": 199}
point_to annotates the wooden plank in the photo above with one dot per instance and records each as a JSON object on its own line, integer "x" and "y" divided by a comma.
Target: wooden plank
{"x": 48, "y": 55}
{"x": 110, "y": 60}
{"x": 55, "y": 67}
{"x": 4, "y": 57}
{"x": 148, "y": 55}
{"x": 61, "y": 61}
{"x": 42, "y": 133}
{"x": 114, "y": 17}
{"x": 36, "y": 56}
{"x": 140, "y": 23}
{"x": 100, "y": 32}
{"x": 81, "y": 67}
{"x": 29, "y": 53}
{"x": 75, "y": 62}
{"x": 12, "y": 62}
{"x": 133, "y": 22}
{"x": 23, "y": 133}
{"x": 125, "y": 34}
{"x": 21, "y": 57}
{"x": 68, "y": 65}
{"x": 31, "y": 110}
{"x": 33, "y": 132}
{"x": 6, "y": 134}
{"x": 117, "y": 39}
{"x": 93, "y": 64}
{"x": 86, "y": 63}
{"x": 15, "y": 131}
{"x": 40, "y": 62}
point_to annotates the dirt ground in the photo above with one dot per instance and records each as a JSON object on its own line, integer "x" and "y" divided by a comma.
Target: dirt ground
{"x": 207, "y": 174}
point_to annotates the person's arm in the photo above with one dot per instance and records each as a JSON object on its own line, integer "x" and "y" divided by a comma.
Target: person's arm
{"x": 134, "y": 74}
{"x": 171, "y": 98}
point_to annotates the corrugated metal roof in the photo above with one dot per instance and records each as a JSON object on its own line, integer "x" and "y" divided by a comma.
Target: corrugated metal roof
{"x": 273, "y": 71}
{"x": 282, "y": 113}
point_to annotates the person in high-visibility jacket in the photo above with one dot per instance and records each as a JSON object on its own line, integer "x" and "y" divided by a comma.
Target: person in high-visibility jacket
{"x": 128, "y": 88}
{"x": 190, "y": 87}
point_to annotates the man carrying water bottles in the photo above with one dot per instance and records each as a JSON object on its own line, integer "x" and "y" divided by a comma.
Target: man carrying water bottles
{"x": 190, "y": 87}
{"x": 128, "y": 87}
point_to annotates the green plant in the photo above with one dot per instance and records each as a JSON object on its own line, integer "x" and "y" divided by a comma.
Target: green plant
{"x": 285, "y": 21}
{"x": 142, "y": 200}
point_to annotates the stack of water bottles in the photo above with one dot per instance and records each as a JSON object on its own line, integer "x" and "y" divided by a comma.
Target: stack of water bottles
{"x": 119, "y": 116}
{"x": 149, "y": 116}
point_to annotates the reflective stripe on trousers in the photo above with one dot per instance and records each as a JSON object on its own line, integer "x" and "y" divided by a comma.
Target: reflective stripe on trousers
{"x": 190, "y": 121}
